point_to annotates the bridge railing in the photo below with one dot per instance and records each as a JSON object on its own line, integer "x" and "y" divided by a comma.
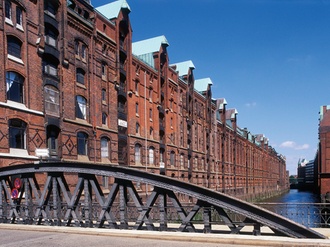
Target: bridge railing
{"x": 313, "y": 215}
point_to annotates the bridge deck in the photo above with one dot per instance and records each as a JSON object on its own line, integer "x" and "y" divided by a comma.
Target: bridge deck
{"x": 70, "y": 194}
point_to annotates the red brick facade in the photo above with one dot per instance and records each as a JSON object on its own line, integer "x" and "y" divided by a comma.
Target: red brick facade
{"x": 323, "y": 154}
{"x": 72, "y": 85}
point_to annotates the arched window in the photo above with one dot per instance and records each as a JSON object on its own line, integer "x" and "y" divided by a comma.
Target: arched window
{"x": 14, "y": 85}
{"x": 82, "y": 143}
{"x": 80, "y": 75}
{"x": 14, "y": 46}
{"x": 52, "y": 100}
{"x": 81, "y": 107}
{"x": 17, "y": 134}
{"x": 105, "y": 148}
{"x": 137, "y": 154}
{"x": 151, "y": 156}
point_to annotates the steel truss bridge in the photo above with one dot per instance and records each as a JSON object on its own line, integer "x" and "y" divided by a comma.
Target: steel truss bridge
{"x": 72, "y": 194}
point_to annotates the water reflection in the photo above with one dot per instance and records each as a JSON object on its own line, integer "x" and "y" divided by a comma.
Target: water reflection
{"x": 303, "y": 207}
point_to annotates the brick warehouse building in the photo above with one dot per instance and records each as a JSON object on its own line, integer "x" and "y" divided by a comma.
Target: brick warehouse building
{"x": 76, "y": 85}
{"x": 323, "y": 154}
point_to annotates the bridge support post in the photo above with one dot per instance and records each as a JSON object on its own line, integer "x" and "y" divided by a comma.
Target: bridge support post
{"x": 163, "y": 212}
{"x": 87, "y": 204}
{"x": 207, "y": 218}
{"x": 123, "y": 206}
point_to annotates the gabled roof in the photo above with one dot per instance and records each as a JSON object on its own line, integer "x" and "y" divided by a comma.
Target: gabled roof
{"x": 149, "y": 45}
{"x": 221, "y": 103}
{"x": 230, "y": 113}
{"x": 111, "y": 10}
{"x": 183, "y": 67}
{"x": 201, "y": 85}
{"x": 145, "y": 49}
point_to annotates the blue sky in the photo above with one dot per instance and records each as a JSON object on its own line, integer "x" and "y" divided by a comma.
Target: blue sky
{"x": 270, "y": 59}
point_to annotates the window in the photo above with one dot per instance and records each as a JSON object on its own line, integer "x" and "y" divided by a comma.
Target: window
{"x": 181, "y": 161}
{"x": 104, "y": 71}
{"x": 151, "y": 132}
{"x": 52, "y": 139}
{"x": 137, "y": 86}
{"x": 19, "y": 16}
{"x": 17, "y": 134}
{"x": 150, "y": 93}
{"x": 82, "y": 141}
{"x": 76, "y": 47}
{"x": 137, "y": 154}
{"x": 80, "y": 50}
{"x": 50, "y": 35}
{"x": 81, "y": 107}
{"x": 14, "y": 84}
{"x": 151, "y": 156}
{"x": 83, "y": 52}
{"x": 8, "y": 10}
{"x": 137, "y": 108}
{"x": 14, "y": 46}
{"x": 172, "y": 158}
{"x": 50, "y": 8}
{"x": 50, "y": 68}
{"x": 161, "y": 158}
{"x": 104, "y": 118}
{"x": 52, "y": 100}
{"x": 104, "y": 147}
{"x": 80, "y": 75}
{"x": 137, "y": 128}
{"x": 150, "y": 113}
{"x": 104, "y": 95}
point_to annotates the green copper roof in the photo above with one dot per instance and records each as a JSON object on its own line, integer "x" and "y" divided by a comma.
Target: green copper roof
{"x": 111, "y": 10}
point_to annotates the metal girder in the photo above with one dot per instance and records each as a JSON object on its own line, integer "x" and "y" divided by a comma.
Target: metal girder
{"x": 71, "y": 194}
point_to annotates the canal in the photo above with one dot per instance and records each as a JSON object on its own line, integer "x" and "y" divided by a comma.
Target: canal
{"x": 295, "y": 196}
{"x": 303, "y": 207}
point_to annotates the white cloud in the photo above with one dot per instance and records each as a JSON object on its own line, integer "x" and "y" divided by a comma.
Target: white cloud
{"x": 293, "y": 145}
{"x": 253, "y": 104}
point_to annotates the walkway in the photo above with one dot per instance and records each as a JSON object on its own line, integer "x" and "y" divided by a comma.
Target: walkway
{"x": 37, "y": 236}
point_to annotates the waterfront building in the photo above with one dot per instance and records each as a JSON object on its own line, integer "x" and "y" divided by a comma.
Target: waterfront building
{"x": 307, "y": 175}
{"x": 323, "y": 153}
{"x": 76, "y": 88}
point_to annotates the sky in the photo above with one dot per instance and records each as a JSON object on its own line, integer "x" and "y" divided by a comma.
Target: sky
{"x": 270, "y": 59}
